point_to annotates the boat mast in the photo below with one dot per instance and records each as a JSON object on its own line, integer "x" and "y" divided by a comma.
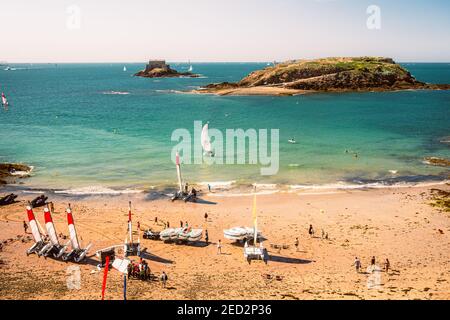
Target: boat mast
{"x": 130, "y": 231}
{"x": 180, "y": 184}
{"x": 255, "y": 218}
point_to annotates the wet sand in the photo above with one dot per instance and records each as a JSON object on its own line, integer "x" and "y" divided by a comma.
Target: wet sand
{"x": 395, "y": 223}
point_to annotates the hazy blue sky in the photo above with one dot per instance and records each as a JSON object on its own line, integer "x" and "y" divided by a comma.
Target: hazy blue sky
{"x": 210, "y": 30}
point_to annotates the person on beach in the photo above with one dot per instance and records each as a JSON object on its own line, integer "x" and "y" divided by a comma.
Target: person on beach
{"x": 168, "y": 224}
{"x": 357, "y": 265}
{"x": 206, "y": 216}
{"x": 138, "y": 225}
{"x": 311, "y": 231}
{"x": 372, "y": 261}
{"x": 25, "y": 226}
{"x": 387, "y": 265}
{"x": 181, "y": 224}
{"x": 156, "y": 219}
{"x": 296, "y": 244}
{"x": 323, "y": 234}
{"x": 219, "y": 247}
{"x": 164, "y": 278}
{"x": 209, "y": 187}
{"x": 206, "y": 236}
{"x": 130, "y": 269}
{"x": 186, "y": 224}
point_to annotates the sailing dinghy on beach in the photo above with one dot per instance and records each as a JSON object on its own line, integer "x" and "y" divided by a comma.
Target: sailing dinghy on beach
{"x": 255, "y": 252}
{"x": 131, "y": 248}
{"x": 53, "y": 248}
{"x": 182, "y": 194}
{"x": 39, "y": 242}
{"x": 77, "y": 253}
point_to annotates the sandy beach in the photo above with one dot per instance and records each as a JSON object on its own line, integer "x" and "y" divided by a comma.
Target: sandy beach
{"x": 395, "y": 223}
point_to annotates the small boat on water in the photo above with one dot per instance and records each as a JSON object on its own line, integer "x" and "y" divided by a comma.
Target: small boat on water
{"x": 190, "y": 69}
{"x": 124, "y": 68}
{"x": 292, "y": 140}
{"x": 4, "y": 100}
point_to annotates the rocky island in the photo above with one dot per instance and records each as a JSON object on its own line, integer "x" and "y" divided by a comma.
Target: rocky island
{"x": 9, "y": 172}
{"x": 324, "y": 75}
{"x": 159, "y": 69}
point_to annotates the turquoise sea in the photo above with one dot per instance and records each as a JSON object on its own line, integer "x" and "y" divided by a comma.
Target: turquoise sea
{"x": 94, "y": 126}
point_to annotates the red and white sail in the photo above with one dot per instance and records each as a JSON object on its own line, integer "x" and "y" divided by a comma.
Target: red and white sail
{"x": 4, "y": 100}
{"x": 50, "y": 227}
{"x": 177, "y": 161}
{"x": 72, "y": 231}
{"x": 34, "y": 227}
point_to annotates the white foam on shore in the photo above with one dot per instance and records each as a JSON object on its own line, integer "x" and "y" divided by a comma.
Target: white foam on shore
{"x": 22, "y": 173}
{"x": 218, "y": 184}
{"x": 264, "y": 186}
{"x": 96, "y": 190}
{"x": 374, "y": 185}
{"x": 242, "y": 194}
{"x": 116, "y": 92}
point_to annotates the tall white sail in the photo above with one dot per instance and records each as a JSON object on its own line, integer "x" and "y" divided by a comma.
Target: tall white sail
{"x": 177, "y": 161}
{"x": 34, "y": 227}
{"x": 205, "y": 140}
{"x": 50, "y": 227}
{"x": 72, "y": 231}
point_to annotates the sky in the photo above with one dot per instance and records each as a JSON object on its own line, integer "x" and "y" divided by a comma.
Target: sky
{"x": 231, "y": 30}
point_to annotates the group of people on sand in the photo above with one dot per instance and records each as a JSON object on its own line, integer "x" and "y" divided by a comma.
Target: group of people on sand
{"x": 139, "y": 270}
{"x": 358, "y": 265}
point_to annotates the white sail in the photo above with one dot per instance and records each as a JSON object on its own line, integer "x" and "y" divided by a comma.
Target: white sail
{"x": 180, "y": 183}
{"x": 72, "y": 231}
{"x": 205, "y": 140}
{"x": 4, "y": 100}
{"x": 50, "y": 227}
{"x": 190, "y": 68}
{"x": 124, "y": 68}
{"x": 34, "y": 227}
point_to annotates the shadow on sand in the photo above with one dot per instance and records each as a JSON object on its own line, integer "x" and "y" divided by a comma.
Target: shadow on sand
{"x": 288, "y": 260}
{"x": 152, "y": 257}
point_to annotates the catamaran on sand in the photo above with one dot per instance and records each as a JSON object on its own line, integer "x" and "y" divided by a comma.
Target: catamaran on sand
{"x": 186, "y": 234}
{"x": 39, "y": 242}
{"x": 53, "y": 248}
{"x": 77, "y": 253}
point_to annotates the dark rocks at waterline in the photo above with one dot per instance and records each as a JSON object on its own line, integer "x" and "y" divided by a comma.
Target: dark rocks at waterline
{"x": 9, "y": 172}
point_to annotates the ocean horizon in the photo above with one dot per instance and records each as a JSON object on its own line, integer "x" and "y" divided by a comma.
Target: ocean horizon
{"x": 92, "y": 128}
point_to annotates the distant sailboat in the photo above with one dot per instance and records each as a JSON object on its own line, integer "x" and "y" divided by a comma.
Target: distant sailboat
{"x": 4, "y": 101}
{"x": 124, "y": 68}
{"x": 190, "y": 67}
{"x": 206, "y": 141}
